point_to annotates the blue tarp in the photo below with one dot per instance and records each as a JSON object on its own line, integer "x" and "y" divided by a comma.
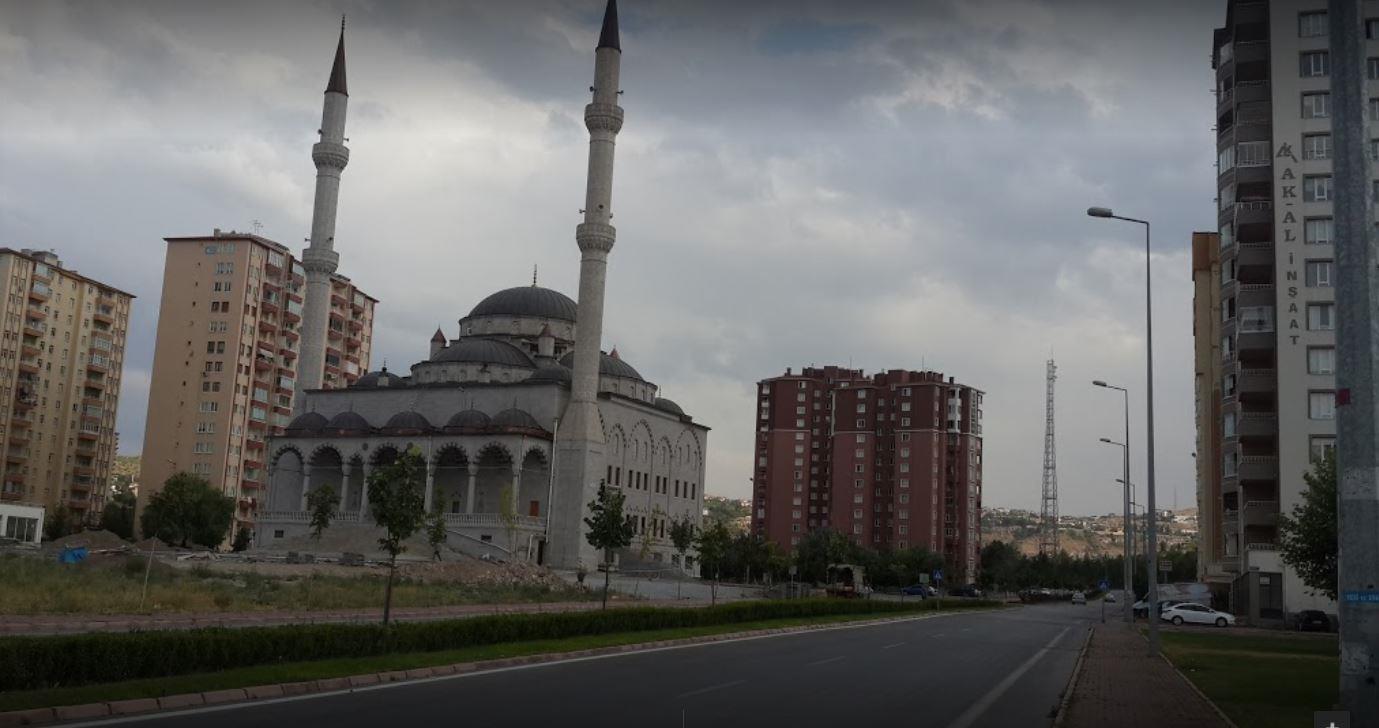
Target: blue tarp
{"x": 72, "y": 555}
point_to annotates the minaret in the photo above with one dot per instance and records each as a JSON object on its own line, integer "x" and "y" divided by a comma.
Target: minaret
{"x": 320, "y": 259}
{"x": 580, "y": 452}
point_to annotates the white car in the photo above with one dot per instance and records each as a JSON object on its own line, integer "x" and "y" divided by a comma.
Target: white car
{"x": 1192, "y": 613}
{"x": 1110, "y": 597}
{"x": 1079, "y": 598}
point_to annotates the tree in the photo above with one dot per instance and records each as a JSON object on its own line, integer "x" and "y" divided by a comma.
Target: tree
{"x": 398, "y": 504}
{"x": 1308, "y": 537}
{"x": 682, "y": 537}
{"x": 59, "y": 523}
{"x": 320, "y": 506}
{"x": 999, "y": 561}
{"x": 436, "y": 533}
{"x": 817, "y": 550}
{"x": 713, "y": 544}
{"x": 608, "y": 529}
{"x": 118, "y": 515}
{"x": 244, "y": 538}
{"x": 507, "y": 514}
{"x": 188, "y": 511}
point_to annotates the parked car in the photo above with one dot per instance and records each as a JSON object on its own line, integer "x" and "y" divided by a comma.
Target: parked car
{"x": 1313, "y": 620}
{"x": 1079, "y": 598}
{"x": 1193, "y": 613}
{"x": 970, "y": 590}
{"x": 918, "y": 590}
{"x": 933, "y": 591}
{"x": 1110, "y": 597}
{"x": 1141, "y": 607}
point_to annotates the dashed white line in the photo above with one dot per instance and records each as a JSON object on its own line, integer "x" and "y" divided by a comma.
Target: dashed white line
{"x": 887, "y": 647}
{"x": 825, "y": 661}
{"x": 709, "y": 689}
{"x": 973, "y": 713}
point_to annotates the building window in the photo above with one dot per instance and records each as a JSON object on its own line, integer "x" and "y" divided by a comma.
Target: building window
{"x": 1317, "y": 230}
{"x": 1321, "y": 405}
{"x": 1316, "y": 105}
{"x": 1252, "y": 154}
{"x": 1321, "y": 360}
{"x": 1320, "y": 445}
{"x": 1374, "y": 109}
{"x": 1314, "y": 64}
{"x": 1372, "y": 69}
{"x": 1316, "y": 188}
{"x": 1312, "y": 25}
{"x": 1321, "y": 316}
{"x": 1316, "y": 146}
{"x": 1319, "y": 274}
{"x": 1372, "y": 28}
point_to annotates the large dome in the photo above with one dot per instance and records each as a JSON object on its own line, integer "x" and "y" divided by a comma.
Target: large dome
{"x": 610, "y": 366}
{"x": 479, "y": 350}
{"x": 529, "y": 301}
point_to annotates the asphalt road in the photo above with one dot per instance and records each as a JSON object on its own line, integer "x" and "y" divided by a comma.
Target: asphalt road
{"x": 968, "y": 670}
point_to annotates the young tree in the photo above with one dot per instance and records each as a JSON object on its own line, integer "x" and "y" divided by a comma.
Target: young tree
{"x": 397, "y": 502}
{"x": 436, "y": 533}
{"x": 608, "y": 529}
{"x": 244, "y": 538}
{"x": 1308, "y": 537}
{"x": 682, "y": 537}
{"x": 118, "y": 515}
{"x": 713, "y": 544}
{"x": 817, "y": 550}
{"x": 507, "y": 514}
{"x": 320, "y": 506}
{"x": 188, "y": 511}
{"x": 59, "y": 523}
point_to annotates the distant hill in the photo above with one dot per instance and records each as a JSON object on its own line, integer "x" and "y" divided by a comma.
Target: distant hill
{"x": 733, "y": 513}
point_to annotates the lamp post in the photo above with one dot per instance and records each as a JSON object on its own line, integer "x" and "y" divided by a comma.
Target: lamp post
{"x": 1152, "y": 546}
{"x": 1126, "y": 568}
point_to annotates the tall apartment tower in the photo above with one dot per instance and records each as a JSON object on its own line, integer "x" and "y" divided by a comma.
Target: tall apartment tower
{"x": 892, "y": 460}
{"x": 1208, "y": 377}
{"x": 62, "y": 341}
{"x": 228, "y": 358}
{"x": 1277, "y": 312}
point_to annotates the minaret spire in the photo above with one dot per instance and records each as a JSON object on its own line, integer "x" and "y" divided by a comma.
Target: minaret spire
{"x": 320, "y": 259}
{"x": 580, "y": 449}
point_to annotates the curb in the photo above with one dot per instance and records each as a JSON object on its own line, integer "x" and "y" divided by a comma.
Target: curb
{"x": 1219, "y": 713}
{"x": 172, "y": 703}
{"x": 1067, "y": 700}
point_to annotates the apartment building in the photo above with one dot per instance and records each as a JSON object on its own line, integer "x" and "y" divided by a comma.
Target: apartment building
{"x": 893, "y": 460}
{"x": 226, "y": 360}
{"x": 1277, "y": 312}
{"x": 62, "y": 341}
{"x": 1208, "y": 378}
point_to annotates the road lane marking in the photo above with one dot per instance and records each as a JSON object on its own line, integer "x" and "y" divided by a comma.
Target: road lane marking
{"x": 940, "y": 634}
{"x": 248, "y": 704}
{"x": 823, "y": 662}
{"x": 974, "y": 712}
{"x": 709, "y": 689}
{"x": 887, "y": 647}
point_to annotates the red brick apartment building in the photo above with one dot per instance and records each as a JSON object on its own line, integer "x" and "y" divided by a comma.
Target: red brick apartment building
{"x": 893, "y": 460}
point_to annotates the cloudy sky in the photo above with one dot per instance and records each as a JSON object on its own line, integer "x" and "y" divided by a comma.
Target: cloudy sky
{"x": 883, "y": 184}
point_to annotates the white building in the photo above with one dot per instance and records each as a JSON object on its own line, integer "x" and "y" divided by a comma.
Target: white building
{"x": 22, "y": 523}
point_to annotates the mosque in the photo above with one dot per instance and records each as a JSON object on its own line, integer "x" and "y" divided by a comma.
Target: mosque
{"x": 520, "y": 403}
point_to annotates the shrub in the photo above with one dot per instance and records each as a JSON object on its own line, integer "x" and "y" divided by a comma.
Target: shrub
{"x": 28, "y": 663}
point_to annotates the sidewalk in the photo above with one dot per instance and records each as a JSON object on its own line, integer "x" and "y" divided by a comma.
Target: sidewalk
{"x": 44, "y": 624}
{"x": 1119, "y": 684}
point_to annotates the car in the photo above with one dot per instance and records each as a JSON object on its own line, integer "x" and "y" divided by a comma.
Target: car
{"x": 1313, "y": 620}
{"x": 933, "y": 591}
{"x": 1193, "y": 613}
{"x": 1079, "y": 598}
{"x": 1110, "y": 597}
{"x": 1141, "y": 607}
{"x": 917, "y": 590}
{"x": 970, "y": 590}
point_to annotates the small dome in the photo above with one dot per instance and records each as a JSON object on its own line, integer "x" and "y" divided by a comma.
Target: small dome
{"x": 528, "y": 301}
{"x": 381, "y": 378}
{"x": 307, "y": 424}
{"x": 484, "y": 351}
{"x": 550, "y": 371}
{"x": 608, "y": 366}
{"x": 349, "y": 423}
{"x": 470, "y": 419}
{"x": 516, "y": 418}
{"x": 407, "y": 423}
{"x": 666, "y": 405}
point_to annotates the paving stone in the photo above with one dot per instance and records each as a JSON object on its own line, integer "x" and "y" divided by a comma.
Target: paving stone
{"x": 36, "y": 716}
{"x": 332, "y": 683}
{"x": 79, "y": 712}
{"x": 259, "y": 692}
{"x": 356, "y": 681}
{"x": 1120, "y": 684}
{"x": 223, "y": 696}
{"x": 130, "y": 707}
{"x": 298, "y": 688}
{"x": 188, "y": 700}
{"x": 420, "y": 672}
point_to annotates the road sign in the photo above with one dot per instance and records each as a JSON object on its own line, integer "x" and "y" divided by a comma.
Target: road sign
{"x": 924, "y": 578}
{"x": 1165, "y": 565}
{"x": 794, "y": 570}
{"x": 938, "y": 575}
{"x": 1103, "y": 585}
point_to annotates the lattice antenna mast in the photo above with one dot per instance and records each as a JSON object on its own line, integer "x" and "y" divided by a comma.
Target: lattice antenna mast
{"x": 1048, "y": 512}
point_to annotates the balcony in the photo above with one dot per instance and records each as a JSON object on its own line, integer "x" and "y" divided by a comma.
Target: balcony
{"x": 19, "y": 437}
{"x": 78, "y": 504}
{"x": 17, "y": 455}
{"x": 98, "y": 364}
{"x": 34, "y": 328}
{"x": 88, "y": 434}
{"x": 83, "y": 470}
{"x": 84, "y": 486}
{"x": 1257, "y": 424}
{"x": 11, "y": 495}
{"x": 104, "y": 314}
{"x": 268, "y": 327}
{"x": 1258, "y": 467}
{"x": 269, "y": 306}
{"x": 1261, "y": 513}
{"x": 35, "y": 312}
{"x": 1256, "y": 381}
{"x": 338, "y": 299}
{"x": 30, "y": 350}
{"x": 21, "y": 419}
{"x": 95, "y": 383}
{"x": 263, "y": 363}
{"x": 40, "y": 292}
{"x": 29, "y": 366}
{"x": 1255, "y": 255}
{"x": 248, "y": 483}
{"x": 1255, "y": 294}
{"x": 104, "y": 335}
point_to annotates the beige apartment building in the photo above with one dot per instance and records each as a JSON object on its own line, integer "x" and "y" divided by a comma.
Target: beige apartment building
{"x": 226, "y": 360}
{"x": 62, "y": 341}
{"x": 1208, "y": 378}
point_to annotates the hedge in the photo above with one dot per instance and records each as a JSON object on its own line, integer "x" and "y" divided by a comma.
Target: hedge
{"x": 28, "y": 663}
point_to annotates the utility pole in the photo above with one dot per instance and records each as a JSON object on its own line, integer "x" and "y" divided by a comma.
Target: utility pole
{"x": 1048, "y": 508}
{"x": 1357, "y": 358}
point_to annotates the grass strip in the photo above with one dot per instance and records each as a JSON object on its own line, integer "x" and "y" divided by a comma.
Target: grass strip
{"x": 1278, "y": 685}
{"x": 325, "y": 669}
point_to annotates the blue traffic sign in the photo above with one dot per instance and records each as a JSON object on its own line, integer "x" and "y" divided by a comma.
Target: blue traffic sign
{"x": 938, "y": 574}
{"x": 1103, "y": 585}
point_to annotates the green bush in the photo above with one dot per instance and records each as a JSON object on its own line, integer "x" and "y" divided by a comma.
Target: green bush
{"x": 28, "y": 663}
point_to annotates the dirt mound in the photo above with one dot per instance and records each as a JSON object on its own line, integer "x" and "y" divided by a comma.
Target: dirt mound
{"x": 470, "y": 570}
{"x": 93, "y": 540}
{"x": 154, "y": 543}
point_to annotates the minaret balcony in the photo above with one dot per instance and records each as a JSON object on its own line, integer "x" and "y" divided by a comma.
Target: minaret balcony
{"x": 330, "y": 154}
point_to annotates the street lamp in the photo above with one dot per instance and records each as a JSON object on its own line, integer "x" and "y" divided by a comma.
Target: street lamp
{"x": 1152, "y": 546}
{"x": 1127, "y": 568}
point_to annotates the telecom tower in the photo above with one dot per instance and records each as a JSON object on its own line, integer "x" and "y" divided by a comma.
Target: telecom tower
{"x": 1048, "y": 512}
